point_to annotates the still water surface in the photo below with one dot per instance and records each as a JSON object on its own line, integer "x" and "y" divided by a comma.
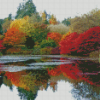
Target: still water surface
{"x": 49, "y": 78}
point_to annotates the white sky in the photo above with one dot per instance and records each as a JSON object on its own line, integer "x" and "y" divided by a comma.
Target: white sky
{"x": 60, "y": 8}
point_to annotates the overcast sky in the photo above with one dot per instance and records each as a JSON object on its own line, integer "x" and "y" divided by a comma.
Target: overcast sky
{"x": 60, "y": 8}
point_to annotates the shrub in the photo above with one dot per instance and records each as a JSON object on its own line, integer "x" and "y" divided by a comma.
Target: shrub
{"x": 83, "y": 43}
{"x": 66, "y": 45}
{"x": 13, "y": 51}
{"x": 1, "y": 46}
{"x": 47, "y": 43}
{"x": 0, "y": 54}
{"x": 59, "y": 28}
{"x": 55, "y": 51}
{"x": 36, "y": 50}
{"x": 23, "y": 47}
{"x": 1, "y": 37}
{"x": 45, "y": 51}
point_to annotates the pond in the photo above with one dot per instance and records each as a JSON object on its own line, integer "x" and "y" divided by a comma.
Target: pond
{"x": 49, "y": 77}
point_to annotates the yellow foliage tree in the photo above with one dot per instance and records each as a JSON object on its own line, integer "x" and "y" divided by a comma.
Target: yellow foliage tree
{"x": 53, "y": 20}
{"x": 44, "y": 16}
{"x": 18, "y": 23}
{"x": 23, "y": 25}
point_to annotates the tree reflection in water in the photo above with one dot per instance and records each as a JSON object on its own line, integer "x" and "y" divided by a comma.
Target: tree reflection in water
{"x": 26, "y": 95}
{"x": 86, "y": 91}
{"x": 83, "y": 75}
{"x": 28, "y": 82}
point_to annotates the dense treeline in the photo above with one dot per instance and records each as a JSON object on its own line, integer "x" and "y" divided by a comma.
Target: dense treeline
{"x": 34, "y": 33}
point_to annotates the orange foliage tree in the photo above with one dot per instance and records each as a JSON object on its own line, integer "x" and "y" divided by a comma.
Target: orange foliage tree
{"x": 14, "y": 37}
{"x": 55, "y": 36}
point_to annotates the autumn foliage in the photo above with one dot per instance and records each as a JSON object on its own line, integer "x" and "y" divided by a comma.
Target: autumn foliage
{"x": 76, "y": 71}
{"x": 13, "y": 37}
{"x": 54, "y": 36}
{"x": 67, "y": 44}
{"x": 65, "y": 36}
{"x": 53, "y": 20}
{"x": 83, "y": 43}
{"x": 18, "y": 23}
{"x": 13, "y": 50}
{"x": 54, "y": 72}
{"x": 1, "y": 46}
{"x": 55, "y": 51}
{"x": 15, "y": 78}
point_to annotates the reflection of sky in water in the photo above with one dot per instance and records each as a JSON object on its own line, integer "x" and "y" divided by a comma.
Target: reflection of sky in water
{"x": 6, "y": 94}
{"x": 62, "y": 93}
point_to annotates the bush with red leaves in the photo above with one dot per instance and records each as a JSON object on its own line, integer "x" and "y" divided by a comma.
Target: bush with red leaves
{"x": 1, "y": 46}
{"x": 81, "y": 44}
{"x": 55, "y": 51}
{"x": 66, "y": 45}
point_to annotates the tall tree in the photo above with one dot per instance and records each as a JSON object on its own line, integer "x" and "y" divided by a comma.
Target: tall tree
{"x": 26, "y": 9}
{"x": 44, "y": 17}
{"x": 10, "y": 17}
{"x": 19, "y": 11}
{"x": 1, "y": 22}
{"x": 53, "y": 20}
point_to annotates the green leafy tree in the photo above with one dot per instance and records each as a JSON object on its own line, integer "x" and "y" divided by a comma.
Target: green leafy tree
{"x": 19, "y": 11}
{"x": 1, "y": 22}
{"x": 26, "y": 9}
{"x": 46, "y": 43}
{"x": 40, "y": 32}
{"x": 26, "y": 95}
{"x": 10, "y": 17}
{"x": 66, "y": 21}
{"x": 35, "y": 17}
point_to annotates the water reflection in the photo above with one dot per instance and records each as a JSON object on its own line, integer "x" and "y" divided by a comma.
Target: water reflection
{"x": 82, "y": 77}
